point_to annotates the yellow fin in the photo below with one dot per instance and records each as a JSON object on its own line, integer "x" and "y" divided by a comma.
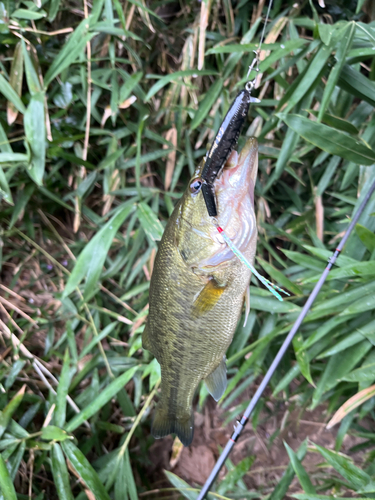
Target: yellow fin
{"x": 207, "y": 298}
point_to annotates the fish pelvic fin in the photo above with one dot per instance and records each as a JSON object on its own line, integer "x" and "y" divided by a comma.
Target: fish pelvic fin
{"x": 180, "y": 424}
{"x": 146, "y": 344}
{"x": 216, "y": 381}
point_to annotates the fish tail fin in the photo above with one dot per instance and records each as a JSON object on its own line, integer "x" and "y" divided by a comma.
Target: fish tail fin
{"x": 181, "y": 424}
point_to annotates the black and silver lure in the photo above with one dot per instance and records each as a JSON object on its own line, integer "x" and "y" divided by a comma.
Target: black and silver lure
{"x": 223, "y": 144}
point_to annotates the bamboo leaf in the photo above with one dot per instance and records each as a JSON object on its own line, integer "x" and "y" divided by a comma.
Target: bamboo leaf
{"x": 53, "y": 433}
{"x": 5, "y": 192}
{"x": 206, "y": 104}
{"x": 172, "y": 77}
{"x": 282, "y": 487}
{"x": 342, "y": 49}
{"x": 111, "y": 390}
{"x": 91, "y": 260}
{"x": 15, "y": 81}
{"x": 366, "y": 236}
{"x": 330, "y": 140}
{"x": 29, "y": 14}
{"x": 84, "y": 470}
{"x": 62, "y": 392}
{"x": 13, "y": 157}
{"x": 301, "y": 473}
{"x": 150, "y": 223}
{"x": 337, "y": 367}
{"x": 36, "y": 136}
{"x": 9, "y": 410}
{"x": 302, "y": 358}
{"x": 315, "y": 67}
{"x": 357, "y": 84}
{"x": 343, "y": 465}
{"x": 31, "y": 74}
{"x": 11, "y": 95}
{"x": 69, "y": 53}
{"x": 60, "y": 473}
{"x": 181, "y": 485}
{"x": 6, "y": 483}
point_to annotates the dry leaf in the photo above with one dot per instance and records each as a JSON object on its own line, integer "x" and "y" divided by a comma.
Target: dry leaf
{"x": 205, "y": 12}
{"x": 128, "y": 102}
{"x": 270, "y": 38}
{"x": 171, "y": 136}
{"x": 351, "y": 404}
{"x": 319, "y": 217}
{"x": 107, "y": 113}
{"x": 176, "y": 452}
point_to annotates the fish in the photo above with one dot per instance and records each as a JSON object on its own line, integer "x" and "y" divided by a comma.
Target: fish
{"x": 197, "y": 290}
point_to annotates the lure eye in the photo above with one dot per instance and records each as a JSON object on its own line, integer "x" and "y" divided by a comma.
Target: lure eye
{"x": 195, "y": 186}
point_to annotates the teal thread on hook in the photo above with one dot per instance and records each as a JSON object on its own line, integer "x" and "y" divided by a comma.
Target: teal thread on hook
{"x": 271, "y": 287}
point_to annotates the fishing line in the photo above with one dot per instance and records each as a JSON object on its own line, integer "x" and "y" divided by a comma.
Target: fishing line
{"x": 257, "y": 52}
{"x": 255, "y": 399}
{"x": 271, "y": 287}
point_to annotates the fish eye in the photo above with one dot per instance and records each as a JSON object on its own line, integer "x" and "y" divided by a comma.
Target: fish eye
{"x": 195, "y": 186}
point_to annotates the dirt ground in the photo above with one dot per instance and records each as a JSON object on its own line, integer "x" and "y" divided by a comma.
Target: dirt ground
{"x": 290, "y": 424}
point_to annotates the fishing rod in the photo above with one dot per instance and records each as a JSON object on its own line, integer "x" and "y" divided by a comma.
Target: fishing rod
{"x": 255, "y": 399}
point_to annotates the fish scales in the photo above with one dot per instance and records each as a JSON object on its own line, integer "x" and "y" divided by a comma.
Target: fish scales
{"x": 197, "y": 292}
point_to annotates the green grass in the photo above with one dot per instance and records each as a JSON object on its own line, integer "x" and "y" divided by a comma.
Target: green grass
{"x": 85, "y": 192}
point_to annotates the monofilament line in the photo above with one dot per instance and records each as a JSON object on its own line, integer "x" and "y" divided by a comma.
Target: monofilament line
{"x": 241, "y": 424}
{"x": 257, "y": 52}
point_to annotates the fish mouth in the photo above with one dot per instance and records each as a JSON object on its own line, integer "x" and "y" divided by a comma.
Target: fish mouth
{"x": 238, "y": 177}
{"x": 234, "y": 193}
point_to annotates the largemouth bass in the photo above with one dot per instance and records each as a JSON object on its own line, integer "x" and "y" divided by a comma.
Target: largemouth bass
{"x": 197, "y": 290}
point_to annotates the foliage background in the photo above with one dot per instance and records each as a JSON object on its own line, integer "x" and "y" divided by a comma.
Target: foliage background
{"x": 105, "y": 110}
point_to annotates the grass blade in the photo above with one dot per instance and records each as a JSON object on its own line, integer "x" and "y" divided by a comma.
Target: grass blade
{"x": 342, "y": 49}
{"x": 15, "y": 81}
{"x": 149, "y": 222}
{"x": 62, "y": 392}
{"x": 35, "y": 130}
{"x": 111, "y": 390}
{"x": 11, "y": 407}
{"x": 91, "y": 260}
{"x": 206, "y": 103}
{"x": 299, "y": 470}
{"x": 6, "y": 483}
{"x": 60, "y": 473}
{"x": 9, "y": 93}
{"x": 84, "y": 470}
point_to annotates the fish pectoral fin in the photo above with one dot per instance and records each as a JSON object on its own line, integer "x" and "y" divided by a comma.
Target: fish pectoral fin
{"x": 216, "y": 381}
{"x": 207, "y": 297}
{"x": 146, "y": 344}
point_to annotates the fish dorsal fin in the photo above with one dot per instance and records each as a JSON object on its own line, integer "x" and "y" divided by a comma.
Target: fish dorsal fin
{"x": 207, "y": 297}
{"x": 216, "y": 381}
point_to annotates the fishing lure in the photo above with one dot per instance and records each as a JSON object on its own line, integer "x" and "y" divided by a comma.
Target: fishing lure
{"x": 223, "y": 144}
